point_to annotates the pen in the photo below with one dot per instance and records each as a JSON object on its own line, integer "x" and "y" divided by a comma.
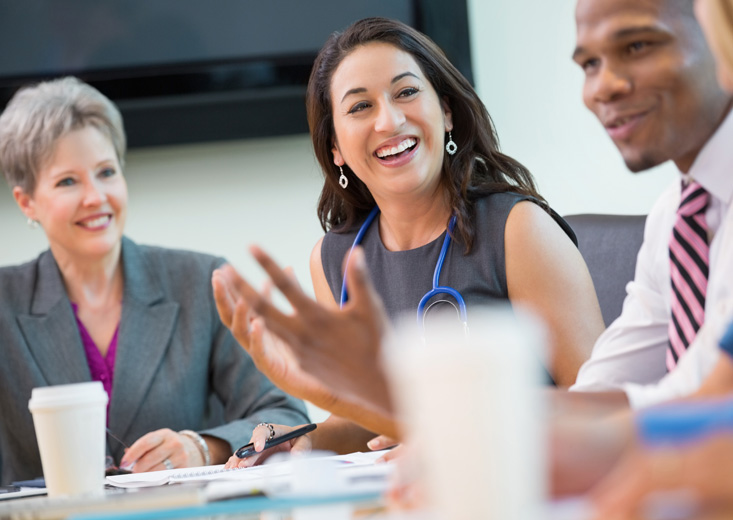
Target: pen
{"x": 249, "y": 449}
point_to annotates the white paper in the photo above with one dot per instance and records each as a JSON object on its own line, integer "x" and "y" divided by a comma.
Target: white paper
{"x": 217, "y": 472}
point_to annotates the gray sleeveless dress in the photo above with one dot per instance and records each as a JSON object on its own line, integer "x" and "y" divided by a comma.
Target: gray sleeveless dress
{"x": 403, "y": 277}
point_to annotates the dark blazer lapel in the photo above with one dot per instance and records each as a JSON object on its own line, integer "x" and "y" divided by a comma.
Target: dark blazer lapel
{"x": 50, "y": 329}
{"x": 145, "y": 331}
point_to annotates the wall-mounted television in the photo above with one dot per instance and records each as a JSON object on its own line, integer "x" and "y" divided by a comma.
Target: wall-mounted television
{"x": 184, "y": 71}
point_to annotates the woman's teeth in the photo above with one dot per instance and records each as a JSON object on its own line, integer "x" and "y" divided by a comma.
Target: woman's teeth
{"x": 394, "y": 150}
{"x": 100, "y": 221}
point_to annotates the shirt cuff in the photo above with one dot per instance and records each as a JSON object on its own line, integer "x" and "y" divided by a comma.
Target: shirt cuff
{"x": 643, "y": 396}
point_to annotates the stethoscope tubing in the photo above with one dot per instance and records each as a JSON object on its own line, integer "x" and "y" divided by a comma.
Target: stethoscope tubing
{"x": 437, "y": 288}
{"x": 359, "y": 237}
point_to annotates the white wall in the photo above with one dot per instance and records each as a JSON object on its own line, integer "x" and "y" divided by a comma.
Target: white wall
{"x": 532, "y": 88}
{"x": 221, "y": 197}
{"x": 217, "y": 198}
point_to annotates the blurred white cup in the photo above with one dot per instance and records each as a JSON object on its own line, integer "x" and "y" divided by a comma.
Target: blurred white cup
{"x": 70, "y": 426}
{"x": 472, "y": 411}
{"x": 307, "y": 475}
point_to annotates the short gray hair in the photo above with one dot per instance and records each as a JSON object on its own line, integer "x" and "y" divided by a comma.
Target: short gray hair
{"x": 37, "y": 116}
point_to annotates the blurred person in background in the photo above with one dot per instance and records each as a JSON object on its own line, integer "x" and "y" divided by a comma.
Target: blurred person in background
{"x": 700, "y": 462}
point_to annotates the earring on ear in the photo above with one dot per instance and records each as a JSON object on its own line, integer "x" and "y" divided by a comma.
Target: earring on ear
{"x": 343, "y": 179}
{"x": 33, "y": 224}
{"x": 451, "y": 147}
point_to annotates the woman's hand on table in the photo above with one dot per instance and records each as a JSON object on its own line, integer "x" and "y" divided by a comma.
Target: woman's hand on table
{"x": 151, "y": 451}
{"x": 382, "y": 442}
{"x": 260, "y": 435}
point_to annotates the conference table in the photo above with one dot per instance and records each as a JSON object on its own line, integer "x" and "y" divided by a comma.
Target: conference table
{"x": 187, "y": 501}
{"x": 239, "y": 499}
{"x": 167, "y": 503}
{"x": 345, "y": 485}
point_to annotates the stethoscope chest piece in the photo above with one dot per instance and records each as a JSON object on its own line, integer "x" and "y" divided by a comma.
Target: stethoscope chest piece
{"x": 437, "y": 288}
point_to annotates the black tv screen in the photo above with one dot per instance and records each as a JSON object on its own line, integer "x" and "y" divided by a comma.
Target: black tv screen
{"x": 185, "y": 71}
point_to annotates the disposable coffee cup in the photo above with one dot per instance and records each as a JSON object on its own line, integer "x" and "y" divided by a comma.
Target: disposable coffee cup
{"x": 472, "y": 412}
{"x": 70, "y": 428}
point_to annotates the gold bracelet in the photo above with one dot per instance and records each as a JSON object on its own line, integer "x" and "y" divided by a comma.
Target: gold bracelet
{"x": 200, "y": 442}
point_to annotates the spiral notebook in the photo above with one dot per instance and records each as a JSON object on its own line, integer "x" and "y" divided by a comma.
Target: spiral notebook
{"x": 172, "y": 476}
{"x": 256, "y": 473}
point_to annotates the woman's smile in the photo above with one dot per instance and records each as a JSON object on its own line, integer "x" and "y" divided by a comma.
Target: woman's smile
{"x": 96, "y": 222}
{"x": 398, "y": 151}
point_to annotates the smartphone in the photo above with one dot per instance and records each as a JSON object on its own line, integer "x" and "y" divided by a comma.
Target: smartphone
{"x": 249, "y": 449}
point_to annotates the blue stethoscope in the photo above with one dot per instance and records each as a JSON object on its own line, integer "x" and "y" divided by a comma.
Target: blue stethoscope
{"x": 437, "y": 288}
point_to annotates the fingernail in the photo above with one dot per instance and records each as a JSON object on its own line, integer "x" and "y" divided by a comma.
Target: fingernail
{"x": 373, "y": 444}
{"x": 358, "y": 259}
{"x": 127, "y": 466}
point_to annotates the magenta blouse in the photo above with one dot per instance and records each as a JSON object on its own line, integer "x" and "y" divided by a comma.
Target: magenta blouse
{"x": 101, "y": 367}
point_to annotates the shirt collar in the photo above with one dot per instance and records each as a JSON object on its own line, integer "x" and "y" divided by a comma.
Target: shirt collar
{"x": 713, "y": 167}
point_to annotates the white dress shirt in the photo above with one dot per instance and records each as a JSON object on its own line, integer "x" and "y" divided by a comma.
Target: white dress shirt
{"x": 630, "y": 354}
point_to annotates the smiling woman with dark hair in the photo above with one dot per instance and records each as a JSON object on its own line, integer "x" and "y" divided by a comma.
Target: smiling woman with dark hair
{"x": 412, "y": 167}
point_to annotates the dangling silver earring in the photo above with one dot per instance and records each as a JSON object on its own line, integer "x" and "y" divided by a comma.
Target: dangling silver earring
{"x": 33, "y": 224}
{"x": 451, "y": 147}
{"x": 343, "y": 179}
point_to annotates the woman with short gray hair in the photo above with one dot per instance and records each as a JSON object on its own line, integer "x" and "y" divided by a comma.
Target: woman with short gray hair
{"x": 97, "y": 306}
{"x": 38, "y": 116}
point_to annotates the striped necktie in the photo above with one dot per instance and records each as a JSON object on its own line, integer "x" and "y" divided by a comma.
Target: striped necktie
{"x": 689, "y": 255}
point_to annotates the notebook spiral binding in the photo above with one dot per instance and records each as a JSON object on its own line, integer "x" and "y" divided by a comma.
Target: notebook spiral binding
{"x": 202, "y": 472}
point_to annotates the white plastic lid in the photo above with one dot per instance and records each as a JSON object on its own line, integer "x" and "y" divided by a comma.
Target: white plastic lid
{"x": 67, "y": 395}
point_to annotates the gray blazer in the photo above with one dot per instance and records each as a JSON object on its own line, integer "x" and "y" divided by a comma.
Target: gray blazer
{"x": 177, "y": 366}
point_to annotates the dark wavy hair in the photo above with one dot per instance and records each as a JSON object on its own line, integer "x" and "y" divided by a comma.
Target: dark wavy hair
{"x": 477, "y": 169}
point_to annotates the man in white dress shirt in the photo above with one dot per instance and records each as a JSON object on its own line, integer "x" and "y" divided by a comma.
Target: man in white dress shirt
{"x": 650, "y": 80}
